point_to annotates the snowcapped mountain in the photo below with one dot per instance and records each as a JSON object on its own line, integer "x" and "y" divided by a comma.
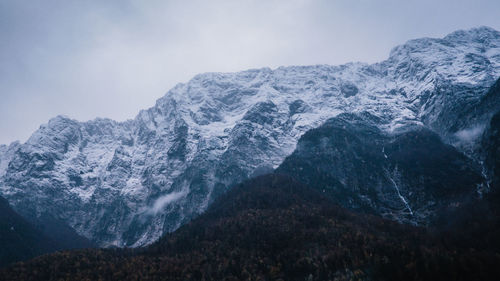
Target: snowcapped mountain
{"x": 127, "y": 183}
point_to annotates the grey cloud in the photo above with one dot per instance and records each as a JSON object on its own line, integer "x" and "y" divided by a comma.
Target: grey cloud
{"x": 110, "y": 59}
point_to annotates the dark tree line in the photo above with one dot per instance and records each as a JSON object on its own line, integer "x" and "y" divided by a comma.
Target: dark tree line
{"x": 273, "y": 228}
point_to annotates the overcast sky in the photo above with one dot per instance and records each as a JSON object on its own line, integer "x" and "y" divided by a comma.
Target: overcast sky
{"x": 88, "y": 59}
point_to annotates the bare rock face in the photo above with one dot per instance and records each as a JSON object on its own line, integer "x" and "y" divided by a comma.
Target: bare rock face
{"x": 127, "y": 183}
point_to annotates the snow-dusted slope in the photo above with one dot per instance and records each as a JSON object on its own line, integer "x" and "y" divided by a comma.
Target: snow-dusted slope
{"x": 126, "y": 184}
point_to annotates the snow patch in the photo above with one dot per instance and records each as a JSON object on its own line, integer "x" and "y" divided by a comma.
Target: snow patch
{"x": 405, "y": 202}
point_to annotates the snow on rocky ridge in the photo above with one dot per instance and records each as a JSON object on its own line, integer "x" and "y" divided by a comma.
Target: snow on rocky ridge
{"x": 127, "y": 183}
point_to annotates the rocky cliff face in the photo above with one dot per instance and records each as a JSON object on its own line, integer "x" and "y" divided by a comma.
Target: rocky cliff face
{"x": 127, "y": 183}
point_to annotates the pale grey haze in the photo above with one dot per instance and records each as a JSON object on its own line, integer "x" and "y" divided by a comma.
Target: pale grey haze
{"x": 88, "y": 59}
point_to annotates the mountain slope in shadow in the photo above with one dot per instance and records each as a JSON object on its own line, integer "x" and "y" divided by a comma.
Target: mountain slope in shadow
{"x": 22, "y": 239}
{"x": 19, "y": 239}
{"x": 274, "y": 228}
{"x": 410, "y": 176}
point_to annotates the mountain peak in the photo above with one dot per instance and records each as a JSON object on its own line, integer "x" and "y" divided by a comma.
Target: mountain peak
{"x": 60, "y": 119}
{"x": 473, "y": 34}
{"x": 483, "y": 37}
